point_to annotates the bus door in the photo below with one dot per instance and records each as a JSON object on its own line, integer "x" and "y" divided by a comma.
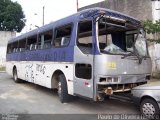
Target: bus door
{"x": 83, "y": 59}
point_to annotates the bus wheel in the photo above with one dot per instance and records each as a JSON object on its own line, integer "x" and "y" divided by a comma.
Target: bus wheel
{"x": 15, "y": 75}
{"x": 62, "y": 89}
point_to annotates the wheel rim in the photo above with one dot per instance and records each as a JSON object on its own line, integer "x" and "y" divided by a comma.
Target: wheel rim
{"x": 59, "y": 89}
{"x": 148, "y": 110}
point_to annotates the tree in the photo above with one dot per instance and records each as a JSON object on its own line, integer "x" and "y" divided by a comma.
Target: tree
{"x": 11, "y": 16}
{"x": 153, "y": 28}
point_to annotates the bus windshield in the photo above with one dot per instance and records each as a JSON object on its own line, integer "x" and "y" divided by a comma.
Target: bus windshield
{"x": 120, "y": 37}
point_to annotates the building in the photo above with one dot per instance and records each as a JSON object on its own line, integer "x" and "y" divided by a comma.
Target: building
{"x": 4, "y": 37}
{"x": 139, "y": 9}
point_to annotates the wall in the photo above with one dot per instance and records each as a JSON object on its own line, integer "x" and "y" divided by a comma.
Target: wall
{"x": 154, "y": 51}
{"x": 4, "y": 37}
{"x": 156, "y": 10}
{"x": 139, "y": 9}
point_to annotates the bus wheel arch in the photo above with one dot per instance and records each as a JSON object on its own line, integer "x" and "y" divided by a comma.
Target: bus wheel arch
{"x": 55, "y": 78}
{"x": 59, "y": 82}
{"x": 15, "y": 74}
{"x": 14, "y": 67}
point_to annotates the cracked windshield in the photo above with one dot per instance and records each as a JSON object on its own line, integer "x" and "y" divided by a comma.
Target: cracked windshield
{"x": 117, "y": 37}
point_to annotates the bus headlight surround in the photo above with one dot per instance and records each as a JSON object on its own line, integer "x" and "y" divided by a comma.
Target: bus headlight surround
{"x": 110, "y": 79}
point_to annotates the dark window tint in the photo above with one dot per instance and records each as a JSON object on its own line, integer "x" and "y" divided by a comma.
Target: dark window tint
{"x": 9, "y": 49}
{"x": 130, "y": 39}
{"x": 83, "y": 71}
{"x": 22, "y": 45}
{"x": 13, "y": 47}
{"x": 32, "y": 43}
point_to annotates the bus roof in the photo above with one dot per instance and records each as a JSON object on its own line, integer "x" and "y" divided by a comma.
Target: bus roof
{"x": 79, "y": 15}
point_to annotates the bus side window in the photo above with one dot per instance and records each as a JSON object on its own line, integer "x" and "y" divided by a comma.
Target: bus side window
{"x": 22, "y": 45}
{"x": 14, "y": 47}
{"x": 62, "y": 36}
{"x": 130, "y": 39}
{"x": 32, "y": 43}
{"x": 129, "y": 42}
{"x": 9, "y": 49}
{"x": 45, "y": 40}
{"x": 85, "y": 37}
{"x": 104, "y": 40}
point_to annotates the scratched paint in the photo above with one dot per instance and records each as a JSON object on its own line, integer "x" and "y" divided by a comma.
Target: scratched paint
{"x": 29, "y": 74}
{"x": 40, "y": 68}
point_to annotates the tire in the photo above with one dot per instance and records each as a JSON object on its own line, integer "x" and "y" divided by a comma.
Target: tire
{"x": 150, "y": 109}
{"x": 106, "y": 97}
{"x": 15, "y": 76}
{"x": 62, "y": 90}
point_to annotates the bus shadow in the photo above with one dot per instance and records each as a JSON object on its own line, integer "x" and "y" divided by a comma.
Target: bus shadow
{"x": 109, "y": 106}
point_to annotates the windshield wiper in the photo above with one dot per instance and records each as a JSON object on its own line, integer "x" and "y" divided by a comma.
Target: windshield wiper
{"x": 103, "y": 51}
{"x": 135, "y": 54}
{"x": 130, "y": 54}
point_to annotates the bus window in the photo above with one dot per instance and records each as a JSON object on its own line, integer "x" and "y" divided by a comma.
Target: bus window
{"x": 14, "y": 47}
{"x": 62, "y": 36}
{"x": 85, "y": 37}
{"x": 9, "y": 48}
{"x": 83, "y": 71}
{"x": 111, "y": 39}
{"x": 32, "y": 43}
{"x": 45, "y": 40}
{"x": 105, "y": 40}
{"x": 22, "y": 45}
{"x": 130, "y": 39}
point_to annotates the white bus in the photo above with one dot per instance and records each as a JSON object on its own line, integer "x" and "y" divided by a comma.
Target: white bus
{"x": 93, "y": 53}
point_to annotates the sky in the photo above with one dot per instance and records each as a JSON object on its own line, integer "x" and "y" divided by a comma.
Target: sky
{"x": 54, "y": 10}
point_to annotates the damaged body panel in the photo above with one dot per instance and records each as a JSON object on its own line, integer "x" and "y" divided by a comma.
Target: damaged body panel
{"x": 115, "y": 48}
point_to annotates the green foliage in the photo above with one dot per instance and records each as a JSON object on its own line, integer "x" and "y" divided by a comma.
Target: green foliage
{"x": 155, "y": 41}
{"x": 152, "y": 28}
{"x": 11, "y": 16}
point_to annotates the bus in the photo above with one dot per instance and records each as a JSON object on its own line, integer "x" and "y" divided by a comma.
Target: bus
{"x": 94, "y": 53}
